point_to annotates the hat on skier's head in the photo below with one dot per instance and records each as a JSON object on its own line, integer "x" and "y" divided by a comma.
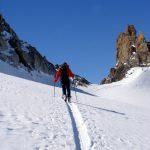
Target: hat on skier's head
{"x": 56, "y": 66}
{"x": 64, "y": 65}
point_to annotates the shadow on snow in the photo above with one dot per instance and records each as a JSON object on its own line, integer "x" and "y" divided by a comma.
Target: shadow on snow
{"x": 94, "y": 107}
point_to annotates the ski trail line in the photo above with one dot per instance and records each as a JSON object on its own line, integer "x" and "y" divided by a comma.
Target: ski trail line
{"x": 75, "y": 130}
{"x": 82, "y": 139}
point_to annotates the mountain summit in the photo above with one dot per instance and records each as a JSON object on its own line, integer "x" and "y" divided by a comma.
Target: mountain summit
{"x": 133, "y": 50}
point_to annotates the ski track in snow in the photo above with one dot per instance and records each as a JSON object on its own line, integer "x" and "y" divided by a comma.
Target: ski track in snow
{"x": 81, "y": 136}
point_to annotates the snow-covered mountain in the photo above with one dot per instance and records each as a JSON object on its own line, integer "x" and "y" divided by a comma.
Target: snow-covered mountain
{"x": 101, "y": 117}
{"x": 21, "y": 54}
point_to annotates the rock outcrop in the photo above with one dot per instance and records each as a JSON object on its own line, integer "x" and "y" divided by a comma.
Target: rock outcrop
{"x": 132, "y": 50}
{"x": 81, "y": 81}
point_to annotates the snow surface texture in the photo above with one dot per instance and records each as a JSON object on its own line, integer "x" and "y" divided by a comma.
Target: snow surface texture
{"x": 102, "y": 117}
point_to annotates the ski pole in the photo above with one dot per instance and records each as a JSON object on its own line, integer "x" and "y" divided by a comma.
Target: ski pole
{"x": 75, "y": 91}
{"x": 76, "y": 95}
{"x": 54, "y": 89}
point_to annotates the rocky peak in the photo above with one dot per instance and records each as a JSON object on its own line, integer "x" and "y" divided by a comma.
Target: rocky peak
{"x": 132, "y": 50}
{"x": 19, "y": 53}
{"x": 130, "y": 31}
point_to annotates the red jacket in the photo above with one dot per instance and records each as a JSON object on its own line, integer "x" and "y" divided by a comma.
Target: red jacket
{"x": 58, "y": 74}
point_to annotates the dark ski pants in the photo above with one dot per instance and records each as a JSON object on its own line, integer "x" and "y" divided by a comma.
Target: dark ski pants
{"x": 66, "y": 89}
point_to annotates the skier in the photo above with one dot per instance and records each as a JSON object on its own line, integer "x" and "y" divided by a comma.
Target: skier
{"x": 64, "y": 72}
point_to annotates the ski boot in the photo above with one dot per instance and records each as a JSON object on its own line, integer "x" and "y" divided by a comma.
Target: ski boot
{"x": 64, "y": 97}
{"x": 69, "y": 99}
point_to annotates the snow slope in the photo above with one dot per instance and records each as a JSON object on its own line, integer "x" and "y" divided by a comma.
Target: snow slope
{"x": 101, "y": 117}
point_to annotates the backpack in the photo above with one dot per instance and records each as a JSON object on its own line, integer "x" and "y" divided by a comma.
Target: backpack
{"x": 64, "y": 73}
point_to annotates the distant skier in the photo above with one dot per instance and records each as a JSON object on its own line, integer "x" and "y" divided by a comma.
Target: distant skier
{"x": 64, "y": 72}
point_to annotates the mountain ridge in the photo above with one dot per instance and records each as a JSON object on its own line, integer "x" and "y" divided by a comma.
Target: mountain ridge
{"x": 19, "y": 53}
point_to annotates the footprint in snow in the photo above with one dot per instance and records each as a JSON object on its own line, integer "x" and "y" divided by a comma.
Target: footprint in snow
{"x": 9, "y": 130}
{"x": 35, "y": 123}
{"x": 1, "y": 115}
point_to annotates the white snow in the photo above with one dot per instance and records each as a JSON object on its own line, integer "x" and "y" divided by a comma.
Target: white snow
{"x": 7, "y": 52}
{"x": 104, "y": 117}
{"x": 6, "y": 35}
{"x": 25, "y": 49}
{"x": 133, "y": 45}
{"x": 81, "y": 127}
{"x": 21, "y": 73}
{"x": 24, "y": 46}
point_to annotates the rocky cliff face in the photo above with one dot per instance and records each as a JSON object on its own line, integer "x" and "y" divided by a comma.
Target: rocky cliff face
{"x": 132, "y": 50}
{"x": 19, "y": 53}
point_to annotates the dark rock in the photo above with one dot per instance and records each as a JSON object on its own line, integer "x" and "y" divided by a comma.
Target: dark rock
{"x": 81, "y": 81}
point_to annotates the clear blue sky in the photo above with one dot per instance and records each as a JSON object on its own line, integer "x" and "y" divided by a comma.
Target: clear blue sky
{"x": 81, "y": 32}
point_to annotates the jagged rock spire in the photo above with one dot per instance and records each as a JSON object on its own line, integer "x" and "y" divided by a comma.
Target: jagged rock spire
{"x": 132, "y": 50}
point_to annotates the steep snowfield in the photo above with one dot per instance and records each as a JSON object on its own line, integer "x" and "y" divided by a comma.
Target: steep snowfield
{"x": 106, "y": 117}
